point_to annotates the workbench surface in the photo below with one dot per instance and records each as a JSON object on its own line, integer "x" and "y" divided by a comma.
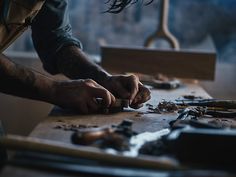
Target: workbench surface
{"x": 142, "y": 121}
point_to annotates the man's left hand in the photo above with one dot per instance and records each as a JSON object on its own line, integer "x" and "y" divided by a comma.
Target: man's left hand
{"x": 128, "y": 87}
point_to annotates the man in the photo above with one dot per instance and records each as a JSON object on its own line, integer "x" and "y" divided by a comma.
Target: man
{"x": 61, "y": 53}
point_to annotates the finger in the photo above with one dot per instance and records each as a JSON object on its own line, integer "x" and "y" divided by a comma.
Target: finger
{"x": 95, "y": 84}
{"x": 134, "y": 87}
{"x": 90, "y": 82}
{"x": 104, "y": 94}
{"x": 100, "y": 91}
{"x": 136, "y": 106}
{"x": 141, "y": 99}
{"x": 113, "y": 99}
{"x": 142, "y": 96}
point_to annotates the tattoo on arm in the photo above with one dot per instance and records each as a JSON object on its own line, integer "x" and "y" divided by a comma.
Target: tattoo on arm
{"x": 73, "y": 63}
{"x": 20, "y": 81}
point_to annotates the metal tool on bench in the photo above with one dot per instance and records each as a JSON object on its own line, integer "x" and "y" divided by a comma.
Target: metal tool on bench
{"x": 115, "y": 136}
{"x": 201, "y": 146}
{"x": 204, "y": 146}
{"x": 196, "y": 144}
{"x": 227, "y": 104}
{"x": 120, "y": 137}
{"x": 212, "y": 107}
{"x": 193, "y": 143}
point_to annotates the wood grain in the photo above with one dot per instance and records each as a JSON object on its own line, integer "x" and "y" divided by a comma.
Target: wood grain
{"x": 182, "y": 64}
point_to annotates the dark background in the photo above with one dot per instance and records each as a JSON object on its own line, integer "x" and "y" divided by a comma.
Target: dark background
{"x": 198, "y": 25}
{"x": 191, "y": 21}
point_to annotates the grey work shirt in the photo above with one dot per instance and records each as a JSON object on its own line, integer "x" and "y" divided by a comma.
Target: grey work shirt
{"x": 51, "y": 30}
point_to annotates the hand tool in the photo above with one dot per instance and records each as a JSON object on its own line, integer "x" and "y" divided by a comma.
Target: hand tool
{"x": 115, "y": 136}
{"x": 162, "y": 30}
{"x": 213, "y": 148}
{"x": 228, "y": 104}
{"x": 212, "y": 107}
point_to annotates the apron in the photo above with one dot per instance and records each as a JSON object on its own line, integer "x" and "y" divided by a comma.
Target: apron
{"x": 15, "y": 17}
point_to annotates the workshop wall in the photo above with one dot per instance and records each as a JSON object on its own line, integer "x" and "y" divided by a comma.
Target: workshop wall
{"x": 190, "y": 21}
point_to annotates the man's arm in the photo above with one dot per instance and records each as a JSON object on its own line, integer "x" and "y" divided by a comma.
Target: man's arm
{"x": 61, "y": 53}
{"x": 20, "y": 81}
{"x": 74, "y": 94}
{"x": 75, "y": 64}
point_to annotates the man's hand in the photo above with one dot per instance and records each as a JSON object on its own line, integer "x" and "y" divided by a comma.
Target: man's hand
{"x": 81, "y": 95}
{"x": 128, "y": 87}
{"x": 75, "y": 64}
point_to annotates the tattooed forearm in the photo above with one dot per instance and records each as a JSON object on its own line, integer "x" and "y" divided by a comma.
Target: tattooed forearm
{"x": 20, "y": 81}
{"x": 73, "y": 63}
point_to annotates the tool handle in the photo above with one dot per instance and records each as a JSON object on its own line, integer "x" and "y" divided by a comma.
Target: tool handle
{"x": 162, "y": 30}
{"x": 90, "y": 136}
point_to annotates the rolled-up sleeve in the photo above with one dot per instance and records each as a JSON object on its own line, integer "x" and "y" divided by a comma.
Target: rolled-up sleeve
{"x": 51, "y": 30}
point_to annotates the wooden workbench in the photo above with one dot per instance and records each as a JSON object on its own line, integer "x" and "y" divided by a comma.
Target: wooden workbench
{"x": 143, "y": 121}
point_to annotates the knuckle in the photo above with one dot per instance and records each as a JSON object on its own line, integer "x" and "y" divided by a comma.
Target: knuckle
{"x": 88, "y": 80}
{"x": 106, "y": 93}
{"x": 133, "y": 77}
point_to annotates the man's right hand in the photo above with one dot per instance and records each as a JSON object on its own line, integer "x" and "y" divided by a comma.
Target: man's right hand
{"x": 80, "y": 95}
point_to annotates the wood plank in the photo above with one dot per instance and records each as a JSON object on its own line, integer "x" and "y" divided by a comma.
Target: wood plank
{"x": 182, "y": 64}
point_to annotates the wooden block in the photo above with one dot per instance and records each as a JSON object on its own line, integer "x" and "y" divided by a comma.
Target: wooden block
{"x": 182, "y": 64}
